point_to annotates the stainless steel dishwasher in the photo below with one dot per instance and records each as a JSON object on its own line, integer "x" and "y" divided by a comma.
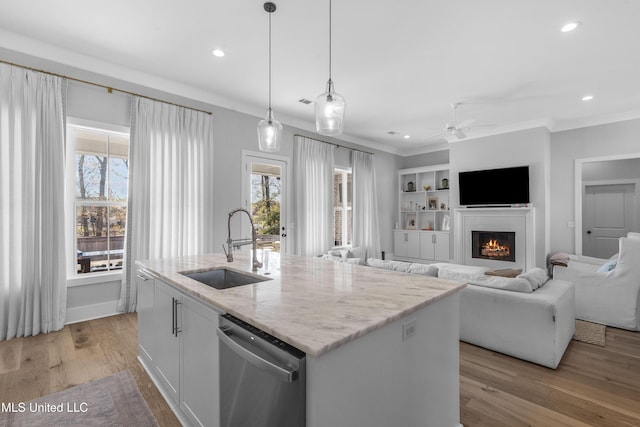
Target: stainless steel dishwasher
{"x": 262, "y": 379}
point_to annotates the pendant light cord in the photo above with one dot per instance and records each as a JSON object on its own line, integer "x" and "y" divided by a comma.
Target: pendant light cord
{"x": 269, "y": 65}
{"x": 329, "y": 40}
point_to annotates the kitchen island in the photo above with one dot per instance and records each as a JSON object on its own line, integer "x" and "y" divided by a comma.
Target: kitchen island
{"x": 381, "y": 346}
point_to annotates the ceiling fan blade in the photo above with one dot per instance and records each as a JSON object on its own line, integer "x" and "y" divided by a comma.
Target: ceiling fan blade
{"x": 459, "y": 134}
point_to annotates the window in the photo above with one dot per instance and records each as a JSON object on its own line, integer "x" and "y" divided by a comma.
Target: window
{"x": 342, "y": 207}
{"x": 101, "y": 173}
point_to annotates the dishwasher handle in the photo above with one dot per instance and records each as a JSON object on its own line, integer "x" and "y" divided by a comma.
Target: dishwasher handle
{"x": 225, "y": 333}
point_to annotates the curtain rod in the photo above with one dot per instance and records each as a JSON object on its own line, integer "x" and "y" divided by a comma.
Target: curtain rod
{"x": 108, "y": 88}
{"x": 333, "y": 143}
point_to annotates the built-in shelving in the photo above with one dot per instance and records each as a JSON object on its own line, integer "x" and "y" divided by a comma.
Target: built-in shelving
{"x": 424, "y": 215}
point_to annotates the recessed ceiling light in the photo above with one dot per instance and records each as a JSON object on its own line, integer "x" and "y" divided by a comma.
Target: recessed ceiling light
{"x": 218, "y": 52}
{"x": 407, "y": 136}
{"x": 570, "y": 26}
{"x": 587, "y": 97}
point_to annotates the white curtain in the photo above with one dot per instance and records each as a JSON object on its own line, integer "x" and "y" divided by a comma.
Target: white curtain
{"x": 170, "y": 187}
{"x": 366, "y": 232}
{"x": 32, "y": 239}
{"x": 313, "y": 172}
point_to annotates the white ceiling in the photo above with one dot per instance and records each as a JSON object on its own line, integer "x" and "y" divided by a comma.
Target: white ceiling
{"x": 399, "y": 64}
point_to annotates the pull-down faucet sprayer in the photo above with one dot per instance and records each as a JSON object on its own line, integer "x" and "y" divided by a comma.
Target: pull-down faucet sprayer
{"x": 240, "y": 242}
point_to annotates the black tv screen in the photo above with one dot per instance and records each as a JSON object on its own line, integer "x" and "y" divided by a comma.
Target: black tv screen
{"x": 505, "y": 186}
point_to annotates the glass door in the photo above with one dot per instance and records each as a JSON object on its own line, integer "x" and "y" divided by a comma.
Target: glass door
{"x": 265, "y": 196}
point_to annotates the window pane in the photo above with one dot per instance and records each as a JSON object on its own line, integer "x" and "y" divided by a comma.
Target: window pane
{"x": 337, "y": 189}
{"x": 349, "y": 190}
{"x": 100, "y": 242}
{"x": 117, "y": 222}
{"x": 337, "y": 227}
{"x": 91, "y": 164}
{"x": 349, "y": 227}
{"x": 265, "y": 201}
{"x": 118, "y": 178}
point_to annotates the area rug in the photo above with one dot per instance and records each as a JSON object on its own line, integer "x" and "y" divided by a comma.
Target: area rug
{"x": 110, "y": 401}
{"x": 592, "y": 333}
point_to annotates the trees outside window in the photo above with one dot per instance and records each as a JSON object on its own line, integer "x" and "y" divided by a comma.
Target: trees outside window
{"x": 100, "y": 204}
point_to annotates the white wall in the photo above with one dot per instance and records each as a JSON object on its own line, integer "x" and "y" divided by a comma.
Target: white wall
{"x": 567, "y": 146}
{"x": 529, "y": 147}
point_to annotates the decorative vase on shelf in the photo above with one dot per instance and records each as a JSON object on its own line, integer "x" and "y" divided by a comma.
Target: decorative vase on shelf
{"x": 410, "y": 187}
{"x": 445, "y": 183}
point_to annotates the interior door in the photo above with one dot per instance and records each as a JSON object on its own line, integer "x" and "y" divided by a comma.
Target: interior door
{"x": 265, "y": 196}
{"x": 609, "y": 212}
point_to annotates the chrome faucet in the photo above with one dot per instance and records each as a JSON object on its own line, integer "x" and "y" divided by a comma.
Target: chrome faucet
{"x": 241, "y": 242}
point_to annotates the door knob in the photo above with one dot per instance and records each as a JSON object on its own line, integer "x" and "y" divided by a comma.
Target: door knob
{"x": 588, "y": 231}
{"x": 283, "y": 235}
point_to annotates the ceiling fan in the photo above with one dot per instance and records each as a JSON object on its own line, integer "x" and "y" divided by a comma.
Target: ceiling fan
{"x": 457, "y": 129}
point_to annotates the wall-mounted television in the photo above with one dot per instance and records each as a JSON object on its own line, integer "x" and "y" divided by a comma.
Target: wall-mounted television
{"x": 491, "y": 187}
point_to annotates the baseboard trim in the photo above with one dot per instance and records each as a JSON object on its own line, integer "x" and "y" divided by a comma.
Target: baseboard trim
{"x": 90, "y": 312}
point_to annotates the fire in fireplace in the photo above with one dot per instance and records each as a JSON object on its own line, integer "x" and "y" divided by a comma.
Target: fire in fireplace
{"x": 494, "y": 245}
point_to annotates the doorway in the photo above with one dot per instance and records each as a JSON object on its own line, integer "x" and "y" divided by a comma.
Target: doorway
{"x": 264, "y": 189}
{"x": 607, "y": 202}
{"x": 609, "y": 212}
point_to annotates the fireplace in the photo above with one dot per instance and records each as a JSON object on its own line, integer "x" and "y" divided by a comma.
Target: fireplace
{"x": 493, "y": 245}
{"x": 496, "y": 238}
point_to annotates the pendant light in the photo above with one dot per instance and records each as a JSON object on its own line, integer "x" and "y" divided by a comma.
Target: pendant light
{"x": 330, "y": 105}
{"x": 269, "y": 129}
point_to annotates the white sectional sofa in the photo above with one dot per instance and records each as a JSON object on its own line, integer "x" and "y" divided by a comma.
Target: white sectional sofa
{"x": 531, "y": 321}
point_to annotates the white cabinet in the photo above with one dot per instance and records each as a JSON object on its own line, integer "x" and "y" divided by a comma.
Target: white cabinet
{"x": 434, "y": 246}
{"x": 424, "y": 214}
{"x": 166, "y": 352}
{"x": 179, "y": 349}
{"x": 406, "y": 244}
{"x": 146, "y": 292}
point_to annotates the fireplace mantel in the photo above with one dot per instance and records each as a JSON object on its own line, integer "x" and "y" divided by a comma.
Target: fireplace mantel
{"x": 519, "y": 220}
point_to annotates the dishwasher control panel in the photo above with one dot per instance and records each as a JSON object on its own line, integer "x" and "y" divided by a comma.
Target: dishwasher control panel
{"x": 259, "y": 333}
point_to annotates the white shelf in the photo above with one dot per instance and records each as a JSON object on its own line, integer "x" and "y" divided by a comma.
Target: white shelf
{"x": 418, "y": 178}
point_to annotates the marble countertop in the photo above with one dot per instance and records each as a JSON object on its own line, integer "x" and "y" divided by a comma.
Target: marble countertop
{"x": 313, "y": 304}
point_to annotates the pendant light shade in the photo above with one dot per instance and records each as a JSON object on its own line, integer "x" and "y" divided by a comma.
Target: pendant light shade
{"x": 269, "y": 130}
{"x": 330, "y": 112}
{"x": 269, "y": 133}
{"x": 330, "y": 106}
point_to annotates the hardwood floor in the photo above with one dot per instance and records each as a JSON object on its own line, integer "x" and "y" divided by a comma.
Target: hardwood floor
{"x": 593, "y": 386}
{"x": 36, "y": 366}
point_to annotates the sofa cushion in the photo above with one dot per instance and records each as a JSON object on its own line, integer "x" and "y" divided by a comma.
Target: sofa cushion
{"x": 356, "y": 252}
{"x": 502, "y": 283}
{"x": 461, "y": 273}
{"x": 388, "y": 265}
{"x": 424, "y": 269}
{"x": 536, "y": 277}
{"x": 357, "y": 261}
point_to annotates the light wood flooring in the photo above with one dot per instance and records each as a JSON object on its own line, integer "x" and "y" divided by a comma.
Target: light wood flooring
{"x": 593, "y": 386}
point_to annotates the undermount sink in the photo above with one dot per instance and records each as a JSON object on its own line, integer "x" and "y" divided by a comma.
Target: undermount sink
{"x": 222, "y": 278}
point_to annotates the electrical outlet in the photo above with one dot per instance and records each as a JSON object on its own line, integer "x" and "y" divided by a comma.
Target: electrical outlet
{"x": 408, "y": 329}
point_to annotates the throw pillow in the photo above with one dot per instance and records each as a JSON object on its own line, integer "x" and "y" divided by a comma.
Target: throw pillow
{"x": 609, "y": 265}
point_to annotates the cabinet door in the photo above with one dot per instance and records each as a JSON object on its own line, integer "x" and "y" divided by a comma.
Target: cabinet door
{"x": 199, "y": 395}
{"x": 413, "y": 244}
{"x": 427, "y": 248}
{"x": 146, "y": 292}
{"x": 400, "y": 243}
{"x": 441, "y": 248}
{"x": 166, "y": 344}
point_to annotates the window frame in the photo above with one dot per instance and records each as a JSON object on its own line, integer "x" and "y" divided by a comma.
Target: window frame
{"x": 343, "y": 206}
{"x": 71, "y": 202}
